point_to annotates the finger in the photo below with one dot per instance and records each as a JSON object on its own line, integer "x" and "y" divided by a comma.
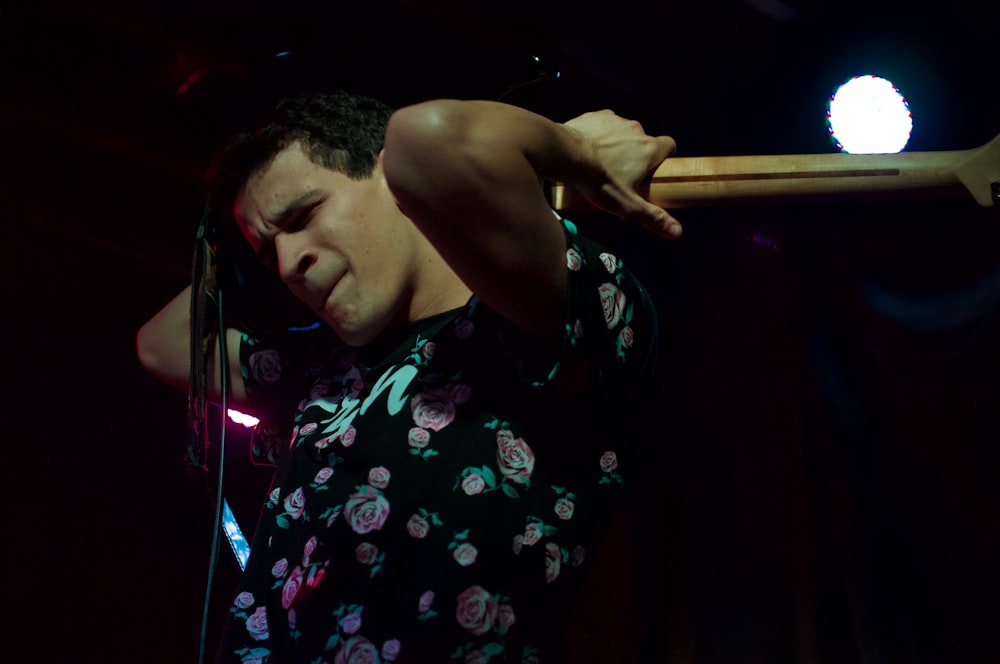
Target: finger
{"x": 657, "y": 220}
{"x": 668, "y": 145}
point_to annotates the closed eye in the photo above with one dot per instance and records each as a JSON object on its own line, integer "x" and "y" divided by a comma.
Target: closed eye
{"x": 267, "y": 256}
{"x": 298, "y": 220}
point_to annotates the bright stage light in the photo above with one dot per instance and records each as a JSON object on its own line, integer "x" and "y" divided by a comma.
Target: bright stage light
{"x": 249, "y": 421}
{"x": 868, "y": 115}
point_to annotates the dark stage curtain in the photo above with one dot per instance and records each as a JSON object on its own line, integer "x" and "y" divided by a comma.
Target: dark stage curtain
{"x": 820, "y": 482}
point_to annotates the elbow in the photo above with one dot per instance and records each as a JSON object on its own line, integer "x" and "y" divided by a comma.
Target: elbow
{"x": 417, "y": 132}
{"x": 426, "y": 155}
{"x": 159, "y": 360}
{"x": 428, "y": 119}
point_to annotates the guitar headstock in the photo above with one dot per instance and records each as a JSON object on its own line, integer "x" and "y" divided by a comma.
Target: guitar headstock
{"x": 980, "y": 172}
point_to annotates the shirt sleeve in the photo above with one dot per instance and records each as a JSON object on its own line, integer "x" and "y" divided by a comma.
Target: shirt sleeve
{"x": 610, "y": 326}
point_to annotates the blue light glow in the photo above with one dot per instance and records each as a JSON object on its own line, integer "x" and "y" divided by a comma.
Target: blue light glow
{"x": 238, "y": 543}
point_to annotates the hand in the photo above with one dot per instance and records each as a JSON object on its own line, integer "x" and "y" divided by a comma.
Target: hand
{"x": 625, "y": 156}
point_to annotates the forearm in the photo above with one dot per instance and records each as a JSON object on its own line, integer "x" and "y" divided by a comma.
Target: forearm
{"x": 163, "y": 345}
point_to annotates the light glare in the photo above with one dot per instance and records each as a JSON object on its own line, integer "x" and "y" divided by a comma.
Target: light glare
{"x": 249, "y": 421}
{"x": 868, "y": 115}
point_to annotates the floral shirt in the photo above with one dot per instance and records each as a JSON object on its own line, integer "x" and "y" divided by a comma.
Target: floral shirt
{"x": 443, "y": 489}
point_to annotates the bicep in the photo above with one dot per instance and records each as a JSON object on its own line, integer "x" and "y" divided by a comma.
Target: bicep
{"x": 463, "y": 173}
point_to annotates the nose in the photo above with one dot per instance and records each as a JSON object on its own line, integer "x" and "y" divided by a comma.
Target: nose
{"x": 295, "y": 257}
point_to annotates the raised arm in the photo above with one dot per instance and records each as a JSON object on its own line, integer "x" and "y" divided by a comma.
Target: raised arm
{"x": 468, "y": 173}
{"x": 164, "y": 349}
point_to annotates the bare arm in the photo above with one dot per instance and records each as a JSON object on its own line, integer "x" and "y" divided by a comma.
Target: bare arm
{"x": 164, "y": 349}
{"x": 468, "y": 175}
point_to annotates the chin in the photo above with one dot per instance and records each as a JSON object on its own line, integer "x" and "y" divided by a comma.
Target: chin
{"x": 352, "y": 333}
{"x": 359, "y": 329}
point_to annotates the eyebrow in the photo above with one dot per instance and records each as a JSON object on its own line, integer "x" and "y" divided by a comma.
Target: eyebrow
{"x": 294, "y": 206}
{"x": 285, "y": 215}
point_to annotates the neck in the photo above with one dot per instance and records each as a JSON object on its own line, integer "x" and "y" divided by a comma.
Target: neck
{"x": 437, "y": 288}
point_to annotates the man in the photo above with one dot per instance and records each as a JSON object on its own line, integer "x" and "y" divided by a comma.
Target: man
{"x": 454, "y": 463}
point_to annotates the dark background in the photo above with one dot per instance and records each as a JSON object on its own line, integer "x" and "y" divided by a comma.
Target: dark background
{"x": 822, "y": 487}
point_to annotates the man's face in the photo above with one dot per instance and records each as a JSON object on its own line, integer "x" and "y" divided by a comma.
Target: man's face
{"x": 341, "y": 245}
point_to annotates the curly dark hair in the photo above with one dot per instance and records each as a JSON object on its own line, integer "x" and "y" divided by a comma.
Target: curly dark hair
{"x": 340, "y": 131}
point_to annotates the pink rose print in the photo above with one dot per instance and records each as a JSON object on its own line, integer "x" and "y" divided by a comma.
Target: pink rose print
{"x": 506, "y": 615}
{"x": 323, "y": 475}
{"x": 473, "y": 484}
{"x": 475, "y": 657}
{"x": 610, "y": 262}
{"x": 295, "y": 503}
{"x": 564, "y": 509}
{"x": 390, "y": 650}
{"x": 351, "y": 623}
{"x": 378, "y": 477}
{"x": 515, "y": 458}
{"x": 532, "y": 533}
{"x": 257, "y": 625}
{"x": 366, "y": 553}
{"x": 464, "y": 329}
{"x": 366, "y": 511}
{"x": 347, "y": 437}
{"x": 626, "y": 337}
{"x": 465, "y": 554}
{"x": 308, "y": 429}
{"x": 266, "y": 366}
{"x": 309, "y": 547}
{"x": 553, "y": 561}
{"x": 357, "y": 650}
{"x": 476, "y": 610}
{"x": 573, "y": 259}
{"x": 612, "y": 303}
{"x": 323, "y": 443}
{"x": 433, "y": 409}
{"x": 425, "y": 601}
{"x": 428, "y": 349}
{"x": 274, "y": 495}
{"x": 253, "y": 659}
{"x": 353, "y": 379}
{"x": 578, "y": 556}
{"x": 518, "y": 543}
{"x": 418, "y": 438}
{"x": 243, "y": 601}
{"x": 417, "y": 526}
{"x": 609, "y": 461}
{"x": 291, "y": 587}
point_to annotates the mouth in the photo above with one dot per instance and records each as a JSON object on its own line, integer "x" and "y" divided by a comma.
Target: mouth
{"x": 324, "y": 302}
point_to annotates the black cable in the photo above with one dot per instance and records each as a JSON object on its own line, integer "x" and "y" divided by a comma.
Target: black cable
{"x": 204, "y": 288}
{"x": 223, "y": 364}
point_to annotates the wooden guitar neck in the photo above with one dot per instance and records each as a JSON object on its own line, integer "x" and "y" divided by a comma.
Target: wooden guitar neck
{"x": 707, "y": 181}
